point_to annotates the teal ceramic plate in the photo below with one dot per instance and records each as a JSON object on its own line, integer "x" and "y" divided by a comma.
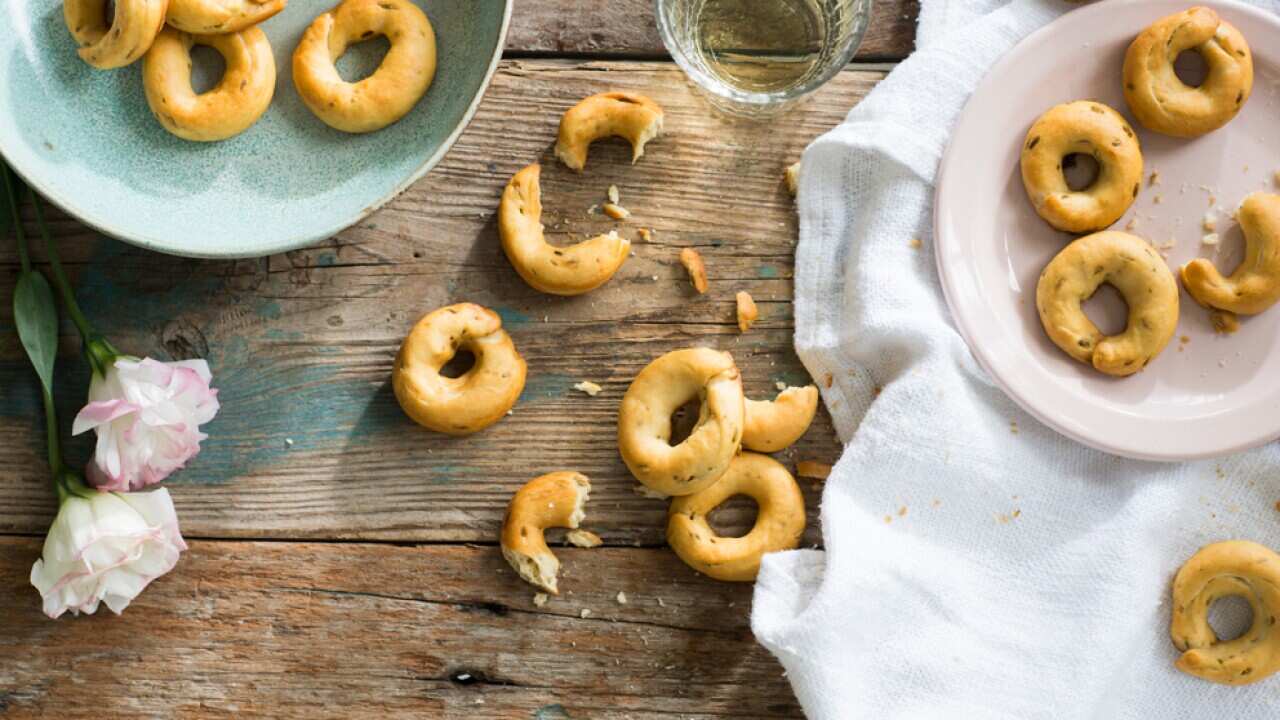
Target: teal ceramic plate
{"x": 86, "y": 140}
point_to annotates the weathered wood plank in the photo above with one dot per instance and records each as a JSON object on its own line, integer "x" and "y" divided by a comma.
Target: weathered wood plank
{"x": 292, "y": 630}
{"x": 626, "y": 28}
{"x": 302, "y": 344}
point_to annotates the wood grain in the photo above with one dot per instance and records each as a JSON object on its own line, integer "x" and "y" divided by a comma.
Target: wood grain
{"x": 310, "y": 442}
{"x": 345, "y": 630}
{"x": 626, "y": 29}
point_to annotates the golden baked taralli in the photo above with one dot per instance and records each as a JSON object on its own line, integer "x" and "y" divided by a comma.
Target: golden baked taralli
{"x": 134, "y": 26}
{"x": 570, "y": 270}
{"x": 779, "y": 520}
{"x": 1254, "y": 285}
{"x": 476, "y": 399}
{"x": 644, "y": 420}
{"x": 238, "y": 100}
{"x": 772, "y": 425}
{"x": 213, "y": 17}
{"x": 630, "y": 116}
{"x": 1164, "y": 103}
{"x": 1084, "y": 127}
{"x": 392, "y": 90}
{"x": 1237, "y": 568}
{"x": 1128, "y": 264}
{"x": 553, "y": 500}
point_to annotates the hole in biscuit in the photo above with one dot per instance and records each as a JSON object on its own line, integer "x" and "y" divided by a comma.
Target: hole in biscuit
{"x": 734, "y": 517}
{"x": 459, "y": 365}
{"x": 1190, "y": 68}
{"x": 108, "y": 14}
{"x": 1079, "y": 170}
{"x": 207, "y": 68}
{"x": 1230, "y": 617}
{"x": 1108, "y": 310}
{"x": 684, "y": 419}
{"x": 362, "y": 58}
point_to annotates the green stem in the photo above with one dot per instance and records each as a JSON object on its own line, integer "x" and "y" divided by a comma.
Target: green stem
{"x": 51, "y": 433}
{"x": 17, "y": 222}
{"x": 60, "y": 278}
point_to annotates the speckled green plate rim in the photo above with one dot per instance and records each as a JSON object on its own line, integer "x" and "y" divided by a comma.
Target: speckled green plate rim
{"x": 32, "y": 180}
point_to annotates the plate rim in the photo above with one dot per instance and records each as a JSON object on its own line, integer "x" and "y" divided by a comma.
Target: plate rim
{"x": 963, "y": 324}
{"x": 292, "y": 242}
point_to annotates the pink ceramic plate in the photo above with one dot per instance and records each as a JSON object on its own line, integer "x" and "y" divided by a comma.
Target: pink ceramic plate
{"x": 1206, "y": 394}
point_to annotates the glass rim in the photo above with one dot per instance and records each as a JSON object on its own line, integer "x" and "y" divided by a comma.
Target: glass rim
{"x": 852, "y": 41}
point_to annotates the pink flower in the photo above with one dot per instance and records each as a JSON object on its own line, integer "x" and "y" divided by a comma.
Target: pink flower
{"x": 105, "y": 548}
{"x": 147, "y": 415}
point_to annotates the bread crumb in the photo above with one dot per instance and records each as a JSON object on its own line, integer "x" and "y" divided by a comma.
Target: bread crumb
{"x": 902, "y": 511}
{"x": 1157, "y": 199}
{"x": 660, "y": 601}
{"x": 584, "y": 613}
{"x": 936, "y": 502}
{"x": 588, "y": 387}
{"x": 648, "y": 492}
{"x": 621, "y": 598}
{"x": 1209, "y": 239}
{"x": 792, "y": 175}
{"x": 1154, "y": 179}
{"x": 1224, "y": 321}
{"x": 1017, "y": 513}
{"x": 692, "y": 262}
{"x": 827, "y": 380}
{"x": 617, "y": 212}
{"x": 1132, "y": 224}
{"x": 780, "y": 386}
{"x": 747, "y": 311}
{"x": 1209, "y": 222}
{"x": 646, "y": 234}
{"x": 1276, "y": 177}
{"x": 613, "y": 194}
{"x": 888, "y": 519}
{"x": 915, "y": 243}
{"x": 583, "y": 539}
{"x": 593, "y": 209}
{"x": 1013, "y": 426}
{"x": 540, "y": 599}
{"x": 813, "y": 469}
{"x": 1278, "y": 501}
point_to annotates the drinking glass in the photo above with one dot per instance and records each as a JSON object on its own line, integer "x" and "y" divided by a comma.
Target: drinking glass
{"x": 756, "y": 58}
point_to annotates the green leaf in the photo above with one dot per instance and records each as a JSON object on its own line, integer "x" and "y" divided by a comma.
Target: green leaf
{"x": 6, "y": 211}
{"x": 36, "y": 316}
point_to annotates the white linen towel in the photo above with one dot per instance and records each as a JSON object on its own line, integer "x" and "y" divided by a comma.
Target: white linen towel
{"x": 977, "y": 564}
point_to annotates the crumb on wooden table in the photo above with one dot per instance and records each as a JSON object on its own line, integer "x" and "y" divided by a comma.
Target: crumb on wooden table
{"x": 593, "y": 209}
{"x": 1224, "y": 322}
{"x": 584, "y": 613}
{"x": 692, "y": 261}
{"x": 613, "y": 194}
{"x": 813, "y": 469}
{"x": 780, "y": 386}
{"x": 617, "y": 212}
{"x": 621, "y": 597}
{"x": 646, "y": 234}
{"x": 583, "y": 538}
{"x": 540, "y": 599}
{"x": 588, "y": 387}
{"x": 792, "y": 175}
{"x": 747, "y": 311}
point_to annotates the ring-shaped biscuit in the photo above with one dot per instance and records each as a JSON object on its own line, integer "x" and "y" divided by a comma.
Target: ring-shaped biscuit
{"x": 570, "y": 270}
{"x": 133, "y": 28}
{"x": 234, "y": 104}
{"x": 644, "y": 420}
{"x": 779, "y": 520}
{"x": 630, "y": 116}
{"x": 1165, "y": 104}
{"x": 1233, "y": 568}
{"x": 1089, "y": 128}
{"x": 556, "y": 499}
{"x": 479, "y": 397}
{"x": 214, "y": 17}
{"x": 1254, "y": 285}
{"x": 771, "y": 425}
{"x": 392, "y": 90}
{"x": 1128, "y": 264}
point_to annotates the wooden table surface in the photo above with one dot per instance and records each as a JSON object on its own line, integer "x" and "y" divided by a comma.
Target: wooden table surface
{"x": 344, "y": 561}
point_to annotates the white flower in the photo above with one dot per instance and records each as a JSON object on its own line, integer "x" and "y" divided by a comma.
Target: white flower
{"x": 105, "y": 548}
{"x": 147, "y": 415}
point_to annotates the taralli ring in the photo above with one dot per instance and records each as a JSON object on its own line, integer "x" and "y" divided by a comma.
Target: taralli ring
{"x": 1254, "y": 285}
{"x": 779, "y": 520}
{"x": 772, "y": 425}
{"x": 630, "y": 116}
{"x": 571, "y": 270}
{"x": 479, "y": 397}
{"x": 133, "y": 28}
{"x": 553, "y": 500}
{"x": 214, "y": 17}
{"x": 1233, "y": 568}
{"x": 1164, "y": 103}
{"x": 392, "y": 90}
{"x": 1088, "y": 128}
{"x": 644, "y": 420}
{"x": 1128, "y": 264}
{"x": 237, "y": 101}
